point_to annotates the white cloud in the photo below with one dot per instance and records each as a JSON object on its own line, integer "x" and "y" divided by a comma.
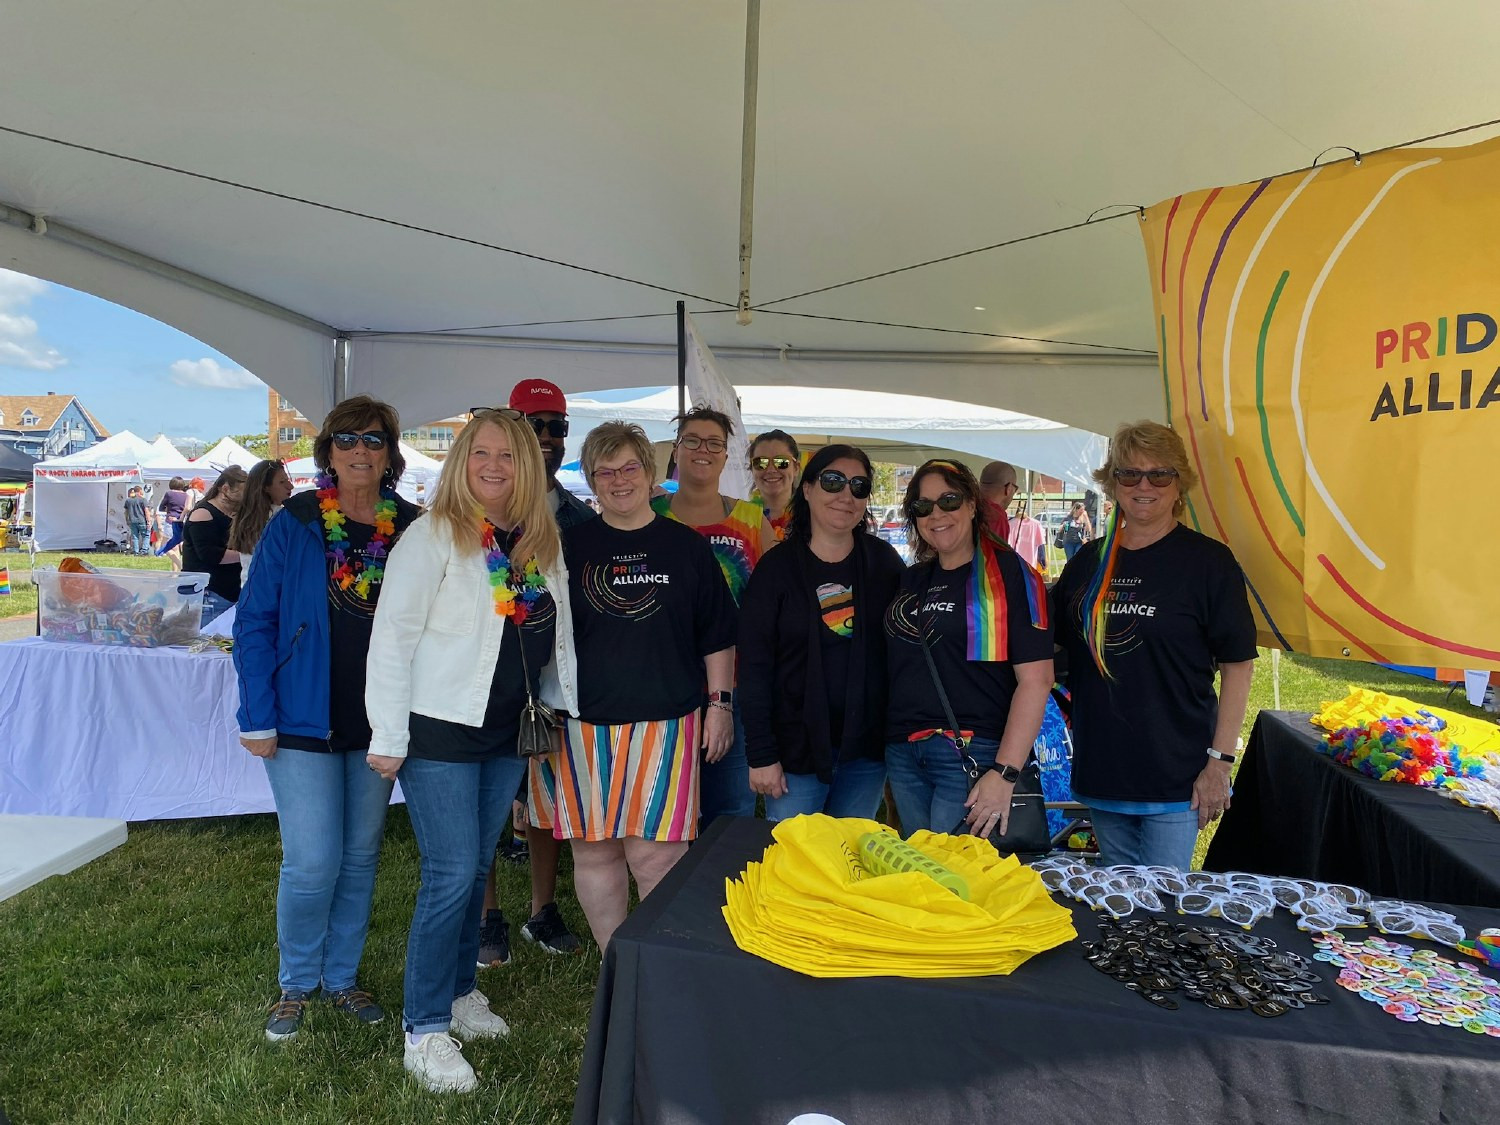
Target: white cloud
{"x": 20, "y": 345}
{"x": 213, "y": 375}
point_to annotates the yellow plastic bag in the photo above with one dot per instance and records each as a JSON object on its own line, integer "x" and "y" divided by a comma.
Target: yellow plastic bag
{"x": 812, "y": 906}
{"x": 1362, "y": 706}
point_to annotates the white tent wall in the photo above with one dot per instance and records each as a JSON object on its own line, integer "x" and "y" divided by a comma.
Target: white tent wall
{"x": 432, "y": 377}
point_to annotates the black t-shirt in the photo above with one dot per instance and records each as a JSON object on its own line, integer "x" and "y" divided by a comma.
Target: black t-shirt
{"x": 833, "y": 586}
{"x": 444, "y": 741}
{"x": 203, "y": 545}
{"x": 648, "y": 606}
{"x": 1177, "y": 609}
{"x": 935, "y": 602}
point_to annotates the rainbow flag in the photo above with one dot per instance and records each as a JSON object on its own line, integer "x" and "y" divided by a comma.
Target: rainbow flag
{"x": 989, "y": 610}
{"x": 4, "y": 580}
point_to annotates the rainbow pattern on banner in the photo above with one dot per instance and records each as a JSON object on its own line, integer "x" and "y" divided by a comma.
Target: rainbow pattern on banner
{"x": 4, "y": 580}
{"x": 989, "y": 609}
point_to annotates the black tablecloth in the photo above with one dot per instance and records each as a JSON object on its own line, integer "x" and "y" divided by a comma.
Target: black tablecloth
{"x": 686, "y": 1028}
{"x": 1297, "y": 812}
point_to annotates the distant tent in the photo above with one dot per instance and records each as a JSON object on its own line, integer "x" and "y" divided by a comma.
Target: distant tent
{"x": 15, "y": 466}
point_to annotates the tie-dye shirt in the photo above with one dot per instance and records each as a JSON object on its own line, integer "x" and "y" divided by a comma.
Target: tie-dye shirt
{"x": 735, "y": 540}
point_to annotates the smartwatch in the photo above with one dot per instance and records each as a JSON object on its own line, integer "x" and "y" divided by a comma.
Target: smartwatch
{"x": 1221, "y": 756}
{"x": 721, "y": 697}
{"x": 1007, "y": 772}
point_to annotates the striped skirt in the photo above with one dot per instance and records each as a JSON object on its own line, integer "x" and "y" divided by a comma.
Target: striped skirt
{"x": 609, "y": 782}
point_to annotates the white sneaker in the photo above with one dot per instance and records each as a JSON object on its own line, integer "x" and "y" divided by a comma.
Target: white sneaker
{"x": 473, "y": 1019}
{"x": 436, "y": 1062}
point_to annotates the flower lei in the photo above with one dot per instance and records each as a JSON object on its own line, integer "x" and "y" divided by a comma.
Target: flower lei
{"x": 355, "y": 573}
{"x": 514, "y": 594}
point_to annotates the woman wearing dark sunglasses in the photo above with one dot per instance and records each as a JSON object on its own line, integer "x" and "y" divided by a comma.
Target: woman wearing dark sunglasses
{"x": 774, "y": 461}
{"x": 980, "y": 613}
{"x": 739, "y": 535}
{"x": 812, "y": 649}
{"x": 301, "y": 635}
{"x": 1147, "y": 614}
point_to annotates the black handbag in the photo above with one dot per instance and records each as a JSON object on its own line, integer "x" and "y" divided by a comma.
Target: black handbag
{"x": 1026, "y": 829}
{"x": 539, "y": 723}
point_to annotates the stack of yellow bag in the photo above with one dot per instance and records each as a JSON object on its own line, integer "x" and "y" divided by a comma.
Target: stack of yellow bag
{"x": 1362, "y": 707}
{"x": 813, "y": 906}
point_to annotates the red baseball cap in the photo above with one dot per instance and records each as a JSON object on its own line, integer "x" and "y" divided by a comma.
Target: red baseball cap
{"x": 536, "y": 396}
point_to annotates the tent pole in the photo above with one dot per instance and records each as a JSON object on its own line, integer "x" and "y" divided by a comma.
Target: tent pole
{"x": 1276, "y": 679}
{"x": 681, "y": 358}
{"x": 340, "y": 368}
{"x": 747, "y": 153}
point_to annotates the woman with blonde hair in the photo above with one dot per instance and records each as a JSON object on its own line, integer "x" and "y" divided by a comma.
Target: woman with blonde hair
{"x": 654, "y": 622}
{"x": 1148, "y": 614}
{"x": 475, "y": 610}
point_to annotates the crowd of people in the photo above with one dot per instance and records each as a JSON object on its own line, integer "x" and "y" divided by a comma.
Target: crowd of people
{"x": 700, "y": 653}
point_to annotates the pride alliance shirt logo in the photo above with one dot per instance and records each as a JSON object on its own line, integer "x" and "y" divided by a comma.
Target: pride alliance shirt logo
{"x": 625, "y": 586}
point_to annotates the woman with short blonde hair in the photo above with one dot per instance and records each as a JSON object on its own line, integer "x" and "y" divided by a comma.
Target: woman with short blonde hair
{"x": 654, "y": 623}
{"x": 1148, "y": 613}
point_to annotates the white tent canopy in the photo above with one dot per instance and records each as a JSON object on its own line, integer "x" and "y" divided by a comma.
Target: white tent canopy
{"x": 429, "y": 209}
{"x": 226, "y": 452}
{"x": 905, "y": 429}
{"x": 417, "y": 482}
{"x": 80, "y": 499}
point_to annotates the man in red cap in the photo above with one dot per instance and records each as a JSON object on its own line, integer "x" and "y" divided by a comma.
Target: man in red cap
{"x": 547, "y": 411}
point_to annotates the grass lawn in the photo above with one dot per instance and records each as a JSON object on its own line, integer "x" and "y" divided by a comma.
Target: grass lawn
{"x": 135, "y": 988}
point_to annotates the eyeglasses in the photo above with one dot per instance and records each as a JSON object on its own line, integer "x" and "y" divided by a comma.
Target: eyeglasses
{"x": 1159, "y": 478}
{"x": 831, "y": 480}
{"x": 711, "y": 444}
{"x": 553, "y": 427}
{"x": 761, "y": 464}
{"x": 628, "y": 471}
{"x": 347, "y": 441}
{"x": 921, "y": 507}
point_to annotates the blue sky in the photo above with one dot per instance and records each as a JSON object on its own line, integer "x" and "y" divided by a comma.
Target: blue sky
{"x": 131, "y": 372}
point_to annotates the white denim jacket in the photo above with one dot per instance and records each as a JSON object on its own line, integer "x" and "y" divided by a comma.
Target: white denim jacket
{"x": 436, "y": 638}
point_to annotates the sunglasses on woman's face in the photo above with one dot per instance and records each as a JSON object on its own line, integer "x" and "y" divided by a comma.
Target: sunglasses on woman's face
{"x": 831, "y": 480}
{"x": 694, "y": 442}
{"x": 347, "y": 441}
{"x": 921, "y": 507}
{"x": 761, "y": 464}
{"x": 1159, "y": 478}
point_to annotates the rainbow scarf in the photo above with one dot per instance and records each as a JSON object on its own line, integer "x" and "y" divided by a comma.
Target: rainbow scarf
{"x": 989, "y": 609}
{"x": 1095, "y": 599}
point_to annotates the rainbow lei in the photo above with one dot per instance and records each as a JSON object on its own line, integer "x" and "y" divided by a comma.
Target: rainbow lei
{"x": 514, "y": 594}
{"x": 1414, "y": 751}
{"x": 358, "y": 574}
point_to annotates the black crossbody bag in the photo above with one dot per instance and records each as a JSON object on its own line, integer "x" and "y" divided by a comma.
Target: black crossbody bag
{"x": 1026, "y": 828}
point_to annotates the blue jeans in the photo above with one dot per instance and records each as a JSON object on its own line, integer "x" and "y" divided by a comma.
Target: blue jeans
{"x": 457, "y": 811}
{"x": 929, "y": 783}
{"x": 724, "y": 786}
{"x": 855, "y": 791}
{"x": 332, "y": 813}
{"x": 1163, "y": 838}
{"x": 140, "y": 538}
{"x": 213, "y": 605}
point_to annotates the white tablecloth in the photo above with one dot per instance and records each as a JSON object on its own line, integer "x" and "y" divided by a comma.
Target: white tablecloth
{"x": 129, "y": 733}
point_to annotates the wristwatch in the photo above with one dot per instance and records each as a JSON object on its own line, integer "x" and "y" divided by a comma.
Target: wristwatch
{"x": 1221, "y": 756}
{"x": 721, "y": 697}
{"x": 1007, "y": 772}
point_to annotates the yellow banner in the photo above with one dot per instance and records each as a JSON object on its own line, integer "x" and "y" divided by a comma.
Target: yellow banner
{"x": 1331, "y": 357}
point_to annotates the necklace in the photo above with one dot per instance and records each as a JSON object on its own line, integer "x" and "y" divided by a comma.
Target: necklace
{"x": 360, "y": 574}
{"x": 514, "y": 593}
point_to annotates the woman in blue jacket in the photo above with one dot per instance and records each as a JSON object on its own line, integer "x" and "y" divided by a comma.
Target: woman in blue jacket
{"x": 301, "y": 634}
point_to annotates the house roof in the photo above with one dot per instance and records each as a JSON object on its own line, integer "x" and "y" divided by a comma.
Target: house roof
{"x": 47, "y": 409}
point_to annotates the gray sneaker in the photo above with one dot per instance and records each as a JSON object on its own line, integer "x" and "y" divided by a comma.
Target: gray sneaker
{"x": 494, "y": 940}
{"x": 286, "y": 1015}
{"x": 357, "y": 1003}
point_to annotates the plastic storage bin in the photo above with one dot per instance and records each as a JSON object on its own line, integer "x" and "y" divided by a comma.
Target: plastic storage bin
{"x": 117, "y": 606}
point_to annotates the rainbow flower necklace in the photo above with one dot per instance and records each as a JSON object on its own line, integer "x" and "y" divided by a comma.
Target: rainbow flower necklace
{"x": 357, "y": 574}
{"x": 514, "y": 593}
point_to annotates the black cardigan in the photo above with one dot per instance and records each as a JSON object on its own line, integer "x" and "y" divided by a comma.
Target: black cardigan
{"x": 781, "y": 692}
